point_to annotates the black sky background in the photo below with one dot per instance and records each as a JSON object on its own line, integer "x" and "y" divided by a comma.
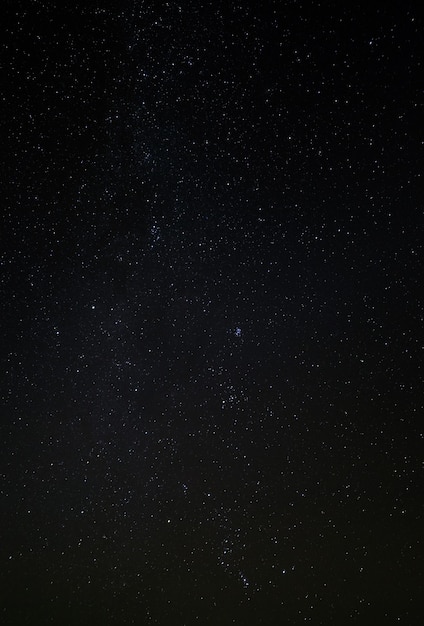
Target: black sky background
{"x": 211, "y": 311}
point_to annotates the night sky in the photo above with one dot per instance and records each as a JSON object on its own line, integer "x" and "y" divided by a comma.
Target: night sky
{"x": 211, "y": 311}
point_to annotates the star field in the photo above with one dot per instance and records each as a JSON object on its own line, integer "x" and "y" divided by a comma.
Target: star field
{"x": 211, "y": 268}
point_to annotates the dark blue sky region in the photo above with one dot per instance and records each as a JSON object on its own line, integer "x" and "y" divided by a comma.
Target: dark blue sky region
{"x": 211, "y": 270}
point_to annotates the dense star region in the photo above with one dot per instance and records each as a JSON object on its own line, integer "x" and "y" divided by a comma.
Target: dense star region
{"x": 211, "y": 271}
